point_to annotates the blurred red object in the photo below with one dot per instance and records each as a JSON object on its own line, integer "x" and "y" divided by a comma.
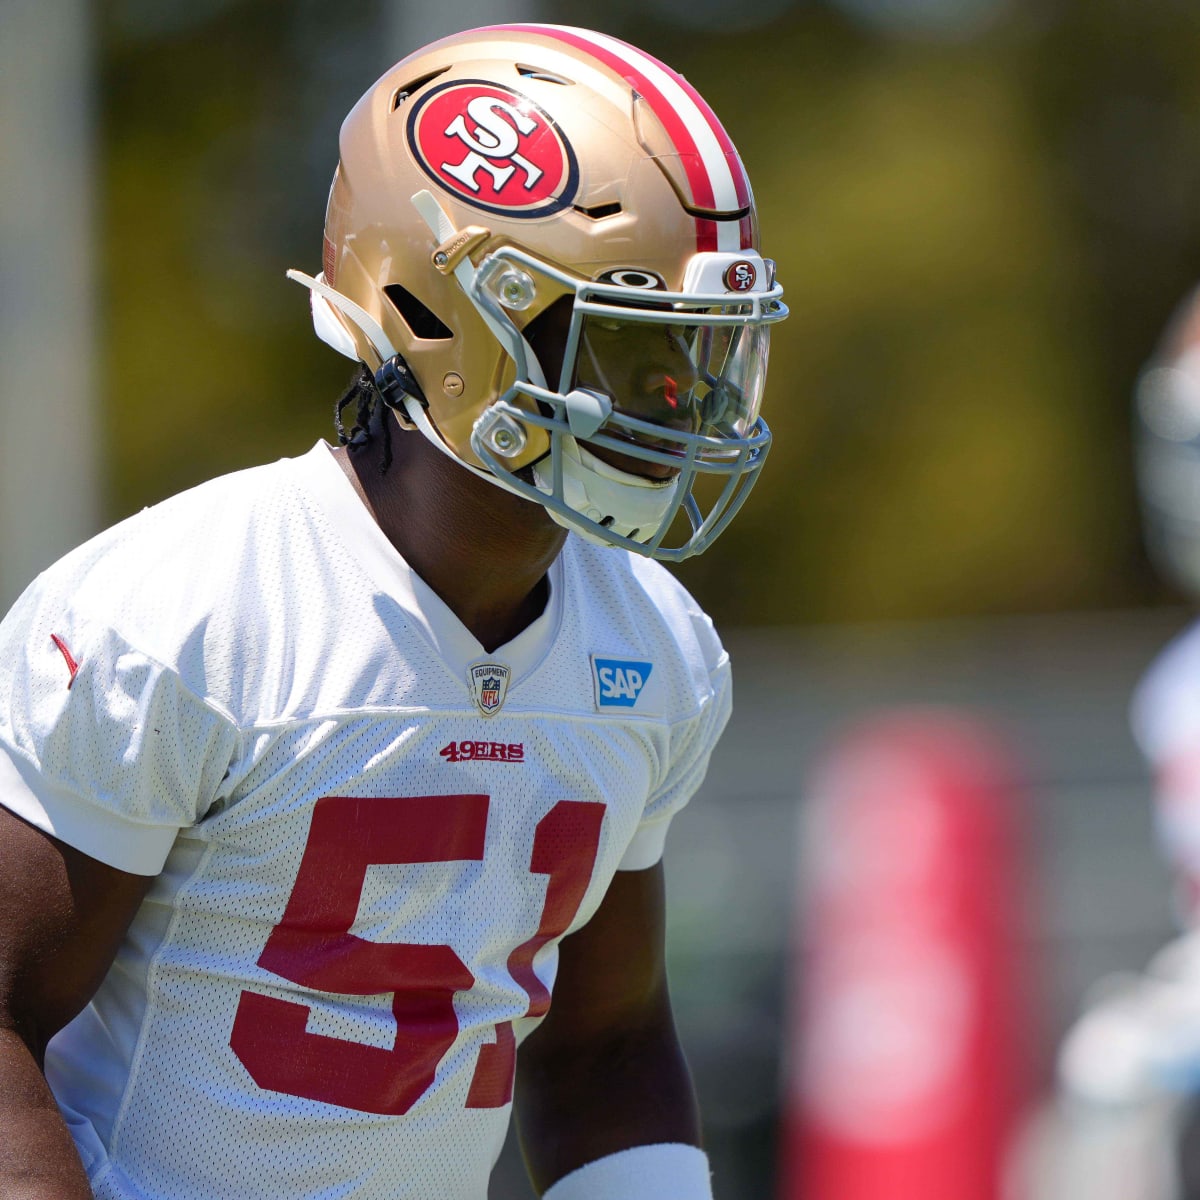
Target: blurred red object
{"x": 908, "y": 1054}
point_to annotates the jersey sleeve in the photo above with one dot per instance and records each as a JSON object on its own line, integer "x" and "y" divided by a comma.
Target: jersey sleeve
{"x": 691, "y": 745}
{"x": 100, "y": 745}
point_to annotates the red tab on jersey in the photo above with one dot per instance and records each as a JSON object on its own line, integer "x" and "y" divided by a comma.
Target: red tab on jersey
{"x": 72, "y": 665}
{"x": 483, "y": 752}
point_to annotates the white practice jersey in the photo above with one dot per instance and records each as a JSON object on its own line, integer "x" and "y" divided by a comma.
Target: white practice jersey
{"x": 1166, "y": 724}
{"x": 368, "y": 835}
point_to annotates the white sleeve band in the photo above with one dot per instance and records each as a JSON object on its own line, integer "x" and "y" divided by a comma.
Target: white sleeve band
{"x": 668, "y": 1171}
{"x": 138, "y": 849}
{"x": 647, "y": 846}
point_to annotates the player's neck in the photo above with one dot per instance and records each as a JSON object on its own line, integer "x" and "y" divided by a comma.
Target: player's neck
{"x": 484, "y": 551}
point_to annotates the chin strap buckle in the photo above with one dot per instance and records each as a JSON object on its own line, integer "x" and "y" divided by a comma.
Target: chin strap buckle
{"x": 393, "y": 381}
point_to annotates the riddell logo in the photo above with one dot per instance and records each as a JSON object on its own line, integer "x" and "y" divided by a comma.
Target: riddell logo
{"x": 493, "y": 148}
{"x": 483, "y": 752}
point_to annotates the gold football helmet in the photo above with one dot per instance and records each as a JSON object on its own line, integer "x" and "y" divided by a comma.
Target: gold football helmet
{"x": 544, "y": 244}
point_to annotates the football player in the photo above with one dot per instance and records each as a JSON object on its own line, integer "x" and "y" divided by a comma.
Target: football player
{"x": 1128, "y": 1119}
{"x": 318, "y": 781}
{"x": 1166, "y": 706}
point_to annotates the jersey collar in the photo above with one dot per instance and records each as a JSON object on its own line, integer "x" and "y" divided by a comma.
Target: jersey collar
{"x": 453, "y": 642}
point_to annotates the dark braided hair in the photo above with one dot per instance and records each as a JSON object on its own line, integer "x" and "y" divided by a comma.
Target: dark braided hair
{"x": 371, "y": 393}
{"x": 364, "y": 395}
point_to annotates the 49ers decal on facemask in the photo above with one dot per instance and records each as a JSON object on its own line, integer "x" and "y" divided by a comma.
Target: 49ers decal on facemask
{"x": 493, "y": 148}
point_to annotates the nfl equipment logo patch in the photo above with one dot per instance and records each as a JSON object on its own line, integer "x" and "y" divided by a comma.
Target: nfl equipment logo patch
{"x": 489, "y": 686}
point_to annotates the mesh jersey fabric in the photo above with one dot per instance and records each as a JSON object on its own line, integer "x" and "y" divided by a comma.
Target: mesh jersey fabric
{"x": 361, "y": 880}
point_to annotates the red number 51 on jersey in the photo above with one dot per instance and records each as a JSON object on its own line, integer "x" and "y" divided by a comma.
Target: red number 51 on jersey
{"x": 312, "y": 946}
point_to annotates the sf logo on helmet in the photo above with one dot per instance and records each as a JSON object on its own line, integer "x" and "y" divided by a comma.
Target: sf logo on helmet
{"x": 740, "y": 276}
{"x": 493, "y": 148}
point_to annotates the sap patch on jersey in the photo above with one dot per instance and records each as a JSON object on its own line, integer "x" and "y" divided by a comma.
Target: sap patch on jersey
{"x": 625, "y": 683}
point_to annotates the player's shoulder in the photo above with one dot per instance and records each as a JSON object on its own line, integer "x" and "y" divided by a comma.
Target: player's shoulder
{"x": 157, "y": 576}
{"x": 1165, "y": 710}
{"x": 646, "y": 601}
{"x": 184, "y": 533}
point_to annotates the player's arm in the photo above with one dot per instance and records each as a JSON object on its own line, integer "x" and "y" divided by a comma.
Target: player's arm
{"x": 62, "y": 916}
{"x": 605, "y": 1071}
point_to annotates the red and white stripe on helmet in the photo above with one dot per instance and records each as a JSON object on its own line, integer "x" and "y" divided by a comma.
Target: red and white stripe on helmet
{"x": 714, "y": 170}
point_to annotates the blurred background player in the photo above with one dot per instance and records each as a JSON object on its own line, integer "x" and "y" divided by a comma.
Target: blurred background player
{"x": 307, "y": 772}
{"x": 1128, "y": 1124}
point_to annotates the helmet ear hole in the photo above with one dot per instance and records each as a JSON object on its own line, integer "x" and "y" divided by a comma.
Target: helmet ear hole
{"x": 422, "y": 321}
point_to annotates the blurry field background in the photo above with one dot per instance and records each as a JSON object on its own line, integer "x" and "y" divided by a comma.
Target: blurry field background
{"x": 983, "y": 212}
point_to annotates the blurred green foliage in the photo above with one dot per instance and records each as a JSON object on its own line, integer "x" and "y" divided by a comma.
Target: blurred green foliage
{"x": 980, "y": 237}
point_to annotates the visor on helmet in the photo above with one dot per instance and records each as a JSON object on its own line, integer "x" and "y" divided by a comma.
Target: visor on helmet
{"x": 682, "y": 378}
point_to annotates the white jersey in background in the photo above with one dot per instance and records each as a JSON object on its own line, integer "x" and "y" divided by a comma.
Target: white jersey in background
{"x": 1166, "y": 724}
{"x": 369, "y": 835}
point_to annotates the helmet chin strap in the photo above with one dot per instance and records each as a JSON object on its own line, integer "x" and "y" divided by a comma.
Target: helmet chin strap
{"x": 333, "y": 332}
{"x": 416, "y": 412}
{"x": 326, "y": 324}
{"x": 606, "y": 496}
